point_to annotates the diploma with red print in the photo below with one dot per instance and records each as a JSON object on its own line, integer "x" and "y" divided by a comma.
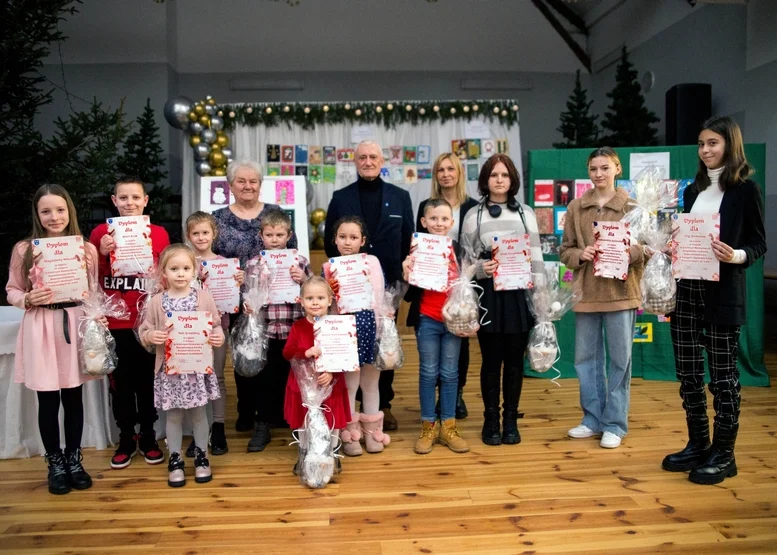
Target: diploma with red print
{"x": 187, "y": 350}
{"x": 336, "y": 337}
{"x": 353, "y": 290}
{"x": 692, "y": 254}
{"x": 513, "y": 254}
{"x": 612, "y": 241}
{"x": 133, "y": 255}
{"x": 431, "y": 260}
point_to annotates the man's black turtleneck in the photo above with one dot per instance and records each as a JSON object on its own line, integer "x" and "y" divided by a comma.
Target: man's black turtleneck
{"x": 370, "y": 198}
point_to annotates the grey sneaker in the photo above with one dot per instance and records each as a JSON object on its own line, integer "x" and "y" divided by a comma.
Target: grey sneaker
{"x": 261, "y": 437}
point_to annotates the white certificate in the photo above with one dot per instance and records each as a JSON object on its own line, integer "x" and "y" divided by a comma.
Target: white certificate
{"x": 692, "y": 254}
{"x": 133, "y": 255}
{"x": 187, "y": 350}
{"x": 354, "y": 288}
{"x": 336, "y": 337}
{"x": 282, "y": 288}
{"x": 60, "y": 263}
{"x": 639, "y": 161}
{"x": 513, "y": 253}
{"x": 219, "y": 277}
{"x": 612, "y": 241}
{"x": 431, "y": 261}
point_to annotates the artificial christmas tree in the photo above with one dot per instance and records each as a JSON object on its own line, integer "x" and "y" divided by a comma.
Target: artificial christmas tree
{"x": 578, "y": 125}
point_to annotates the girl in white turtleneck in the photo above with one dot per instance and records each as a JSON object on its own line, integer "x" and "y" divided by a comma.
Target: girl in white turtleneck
{"x": 709, "y": 313}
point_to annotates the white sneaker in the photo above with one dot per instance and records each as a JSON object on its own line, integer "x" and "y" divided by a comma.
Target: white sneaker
{"x": 610, "y": 441}
{"x": 582, "y": 432}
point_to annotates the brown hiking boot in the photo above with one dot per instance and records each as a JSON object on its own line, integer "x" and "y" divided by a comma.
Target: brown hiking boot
{"x": 449, "y": 435}
{"x": 428, "y": 437}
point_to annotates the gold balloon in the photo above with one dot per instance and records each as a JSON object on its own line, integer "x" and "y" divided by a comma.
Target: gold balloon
{"x": 317, "y": 216}
{"x": 220, "y": 172}
{"x": 215, "y": 147}
{"x": 222, "y": 140}
{"x": 212, "y": 101}
{"x": 217, "y": 158}
{"x": 318, "y": 244}
{"x": 193, "y": 116}
{"x": 205, "y": 121}
{"x": 194, "y": 140}
{"x": 199, "y": 109}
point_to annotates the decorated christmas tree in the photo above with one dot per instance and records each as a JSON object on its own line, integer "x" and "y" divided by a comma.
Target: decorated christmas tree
{"x": 629, "y": 122}
{"x": 578, "y": 125}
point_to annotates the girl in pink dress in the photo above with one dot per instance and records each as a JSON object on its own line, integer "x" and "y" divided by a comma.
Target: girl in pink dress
{"x": 47, "y": 347}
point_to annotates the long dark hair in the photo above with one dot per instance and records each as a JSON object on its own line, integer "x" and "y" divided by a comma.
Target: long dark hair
{"x": 488, "y": 167}
{"x": 736, "y": 168}
{"x": 350, "y": 219}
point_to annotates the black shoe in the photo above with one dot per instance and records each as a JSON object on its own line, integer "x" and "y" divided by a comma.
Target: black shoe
{"x": 696, "y": 452}
{"x": 720, "y": 465}
{"x": 261, "y": 437}
{"x": 510, "y": 433}
{"x": 58, "y": 479}
{"x": 244, "y": 424}
{"x": 79, "y": 479}
{"x": 128, "y": 446}
{"x": 218, "y": 439}
{"x": 191, "y": 450}
{"x": 149, "y": 448}
{"x": 461, "y": 408}
{"x": 491, "y": 434}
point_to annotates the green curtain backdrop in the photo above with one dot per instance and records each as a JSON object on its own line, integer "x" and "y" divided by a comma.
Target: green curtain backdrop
{"x": 655, "y": 360}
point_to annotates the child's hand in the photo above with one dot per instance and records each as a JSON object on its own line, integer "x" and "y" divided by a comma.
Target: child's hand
{"x": 216, "y": 340}
{"x": 156, "y": 337}
{"x": 489, "y": 267}
{"x": 324, "y": 379}
{"x": 407, "y": 267}
{"x": 588, "y": 254}
{"x": 333, "y": 285}
{"x": 313, "y": 352}
{"x": 240, "y": 277}
{"x": 297, "y": 274}
{"x": 107, "y": 244}
{"x": 103, "y": 320}
{"x": 247, "y": 308}
{"x": 40, "y": 296}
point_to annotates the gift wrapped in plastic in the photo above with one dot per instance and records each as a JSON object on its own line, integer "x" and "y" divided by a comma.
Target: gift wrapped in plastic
{"x": 649, "y": 193}
{"x": 151, "y": 286}
{"x": 390, "y": 355}
{"x": 96, "y": 345}
{"x": 461, "y": 311}
{"x": 249, "y": 334}
{"x": 658, "y": 286}
{"x": 548, "y": 302}
{"x": 317, "y": 457}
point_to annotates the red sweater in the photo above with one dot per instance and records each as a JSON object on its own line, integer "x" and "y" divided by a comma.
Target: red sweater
{"x": 300, "y": 339}
{"x": 433, "y": 301}
{"x": 129, "y": 288}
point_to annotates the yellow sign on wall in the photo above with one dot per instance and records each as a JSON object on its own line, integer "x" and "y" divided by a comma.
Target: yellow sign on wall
{"x": 643, "y": 332}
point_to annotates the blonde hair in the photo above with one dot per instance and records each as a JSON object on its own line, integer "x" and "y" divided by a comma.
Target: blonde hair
{"x": 315, "y": 280}
{"x": 275, "y": 218}
{"x": 200, "y": 217}
{"x": 171, "y": 251}
{"x": 461, "y": 183}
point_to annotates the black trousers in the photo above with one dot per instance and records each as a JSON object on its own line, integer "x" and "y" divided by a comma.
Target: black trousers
{"x": 498, "y": 350}
{"x": 691, "y": 334}
{"x": 132, "y": 384}
{"x": 48, "y": 418}
{"x": 271, "y": 384}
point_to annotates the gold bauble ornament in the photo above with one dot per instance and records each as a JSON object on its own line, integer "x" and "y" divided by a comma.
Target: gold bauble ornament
{"x": 199, "y": 109}
{"x": 222, "y": 140}
{"x": 211, "y": 101}
{"x": 217, "y": 158}
{"x": 219, "y": 172}
{"x": 194, "y": 140}
{"x": 317, "y": 216}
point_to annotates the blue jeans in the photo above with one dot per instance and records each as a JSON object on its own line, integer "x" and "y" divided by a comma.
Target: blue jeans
{"x": 604, "y": 395}
{"x": 438, "y": 353}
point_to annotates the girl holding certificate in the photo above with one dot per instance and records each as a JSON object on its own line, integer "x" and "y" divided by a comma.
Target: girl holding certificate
{"x": 608, "y": 305}
{"x": 505, "y": 331}
{"x": 350, "y": 236}
{"x": 709, "y": 313}
{"x": 46, "y": 348}
{"x": 175, "y": 393}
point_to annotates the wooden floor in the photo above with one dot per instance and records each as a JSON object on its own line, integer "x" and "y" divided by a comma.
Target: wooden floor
{"x": 550, "y": 494}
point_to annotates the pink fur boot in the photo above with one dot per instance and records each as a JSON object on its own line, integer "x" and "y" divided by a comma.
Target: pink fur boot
{"x": 374, "y": 438}
{"x": 351, "y": 436}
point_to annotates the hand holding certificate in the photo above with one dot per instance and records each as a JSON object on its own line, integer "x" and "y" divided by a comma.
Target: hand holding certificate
{"x": 59, "y": 263}
{"x": 353, "y": 288}
{"x": 512, "y": 252}
{"x": 219, "y": 277}
{"x": 133, "y": 255}
{"x": 612, "y": 241}
{"x": 431, "y": 256}
{"x": 692, "y": 254}
{"x": 187, "y": 348}
{"x": 282, "y": 287}
{"x": 336, "y": 337}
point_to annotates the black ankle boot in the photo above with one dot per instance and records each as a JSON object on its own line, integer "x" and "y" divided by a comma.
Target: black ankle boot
{"x": 491, "y": 434}
{"x": 721, "y": 463}
{"x": 58, "y": 480}
{"x": 79, "y": 479}
{"x": 461, "y": 408}
{"x": 218, "y": 439}
{"x": 695, "y": 453}
{"x": 510, "y": 434}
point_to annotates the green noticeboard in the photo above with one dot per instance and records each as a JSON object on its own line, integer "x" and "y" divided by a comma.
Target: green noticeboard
{"x": 653, "y": 357}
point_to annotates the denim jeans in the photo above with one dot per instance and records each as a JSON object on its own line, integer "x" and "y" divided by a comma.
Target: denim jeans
{"x": 438, "y": 352}
{"x": 604, "y": 395}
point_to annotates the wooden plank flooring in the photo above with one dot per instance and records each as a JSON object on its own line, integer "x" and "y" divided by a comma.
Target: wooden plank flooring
{"x": 549, "y": 494}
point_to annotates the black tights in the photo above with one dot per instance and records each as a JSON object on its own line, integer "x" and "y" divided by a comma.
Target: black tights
{"x": 48, "y": 418}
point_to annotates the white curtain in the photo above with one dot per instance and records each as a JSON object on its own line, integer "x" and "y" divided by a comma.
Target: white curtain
{"x": 251, "y": 143}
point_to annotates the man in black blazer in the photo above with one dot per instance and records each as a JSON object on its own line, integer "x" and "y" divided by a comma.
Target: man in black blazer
{"x": 388, "y": 213}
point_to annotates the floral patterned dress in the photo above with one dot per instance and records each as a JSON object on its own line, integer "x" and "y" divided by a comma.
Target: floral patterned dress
{"x": 183, "y": 391}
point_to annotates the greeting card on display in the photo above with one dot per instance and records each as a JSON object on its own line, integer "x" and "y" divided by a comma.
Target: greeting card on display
{"x": 411, "y": 174}
{"x": 330, "y": 155}
{"x": 284, "y": 191}
{"x": 424, "y": 173}
{"x": 565, "y": 191}
{"x": 459, "y": 148}
{"x": 133, "y": 255}
{"x": 287, "y": 153}
{"x": 424, "y": 154}
{"x": 565, "y": 276}
{"x": 346, "y": 173}
{"x": 395, "y": 157}
{"x": 330, "y": 174}
{"x": 301, "y": 170}
{"x": 612, "y": 241}
{"x": 397, "y": 175}
{"x": 60, "y": 263}
{"x": 287, "y": 169}
{"x": 502, "y": 147}
{"x": 473, "y": 149}
{"x": 472, "y": 172}
{"x": 273, "y": 170}
{"x": 315, "y": 155}
{"x": 549, "y": 244}
{"x": 692, "y": 254}
{"x": 431, "y": 259}
{"x": 559, "y": 219}
{"x": 543, "y": 192}
{"x": 409, "y": 155}
{"x": 354, "y": 288}
{"x": 488, "y": 147}
{"x": 682, "y": 185}
{"x": 187, "y": 350}
{"x": 315, "y": 174}
{"x": 336, "y": 337}
{"x": 283, "y": 289}
{"x": 219, "y": 277}
{"x": 628, "y": 185}
{"x": 385, "y": 173}
{"x": 581, "y": 186}
{"x": 273, "y": 153}
{"x": 386, "y": 154}
{"x": 300, "y": 154}
{"x": 544, "y": 218}
{"x": 290, "y": 213}
{"x": 219, "y": 193}
{"x": 513, "y": 254}
{"x": 346, "y": 155}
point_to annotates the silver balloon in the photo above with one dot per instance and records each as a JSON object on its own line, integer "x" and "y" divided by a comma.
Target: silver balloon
{"x": 216, "y": 123}
{"x": 210, "y": 109}
{"x": 209, "y": 136}
{"x": 203, "y": 168}
{"x": 311, "y": 234}
{"x": 228, "y": 152}
{"x": 195, "y": 127}
{"x": 321, "y": 229}
{"x": 176, "y": 111}
{"x": 201, "y": 152}
{"x": 309, "y": 197}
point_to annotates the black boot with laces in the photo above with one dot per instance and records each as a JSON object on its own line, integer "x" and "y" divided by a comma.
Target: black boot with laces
{"x": 79, "y": 479}
{"x": 58, "y": 479}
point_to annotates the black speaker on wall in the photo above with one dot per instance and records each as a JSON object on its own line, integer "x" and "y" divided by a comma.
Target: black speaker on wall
{"x": 687, "y": 106}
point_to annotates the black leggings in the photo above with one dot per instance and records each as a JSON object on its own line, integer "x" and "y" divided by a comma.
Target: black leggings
{"x": 48, "y": 418}
{"x": 498, "y": 349}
